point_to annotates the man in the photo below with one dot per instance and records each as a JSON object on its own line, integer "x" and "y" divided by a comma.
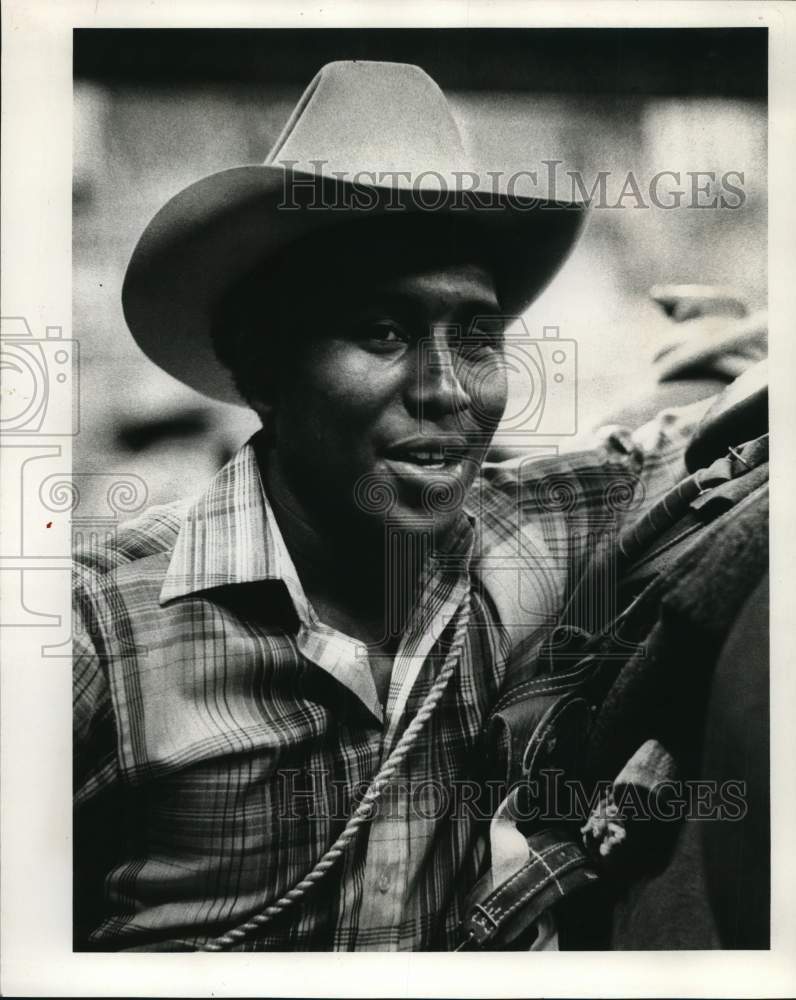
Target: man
{"x": 279, "y": 687}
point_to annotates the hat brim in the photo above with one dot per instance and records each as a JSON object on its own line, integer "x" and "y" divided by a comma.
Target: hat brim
{"x": 222, "y": 226}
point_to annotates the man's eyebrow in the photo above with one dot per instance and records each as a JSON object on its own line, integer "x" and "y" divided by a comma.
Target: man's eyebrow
{"x": 412, "y": 307}
{"x": 481, "y": 316}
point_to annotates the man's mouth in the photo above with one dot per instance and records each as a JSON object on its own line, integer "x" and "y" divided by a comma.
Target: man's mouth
{"x": 429, "y": 455}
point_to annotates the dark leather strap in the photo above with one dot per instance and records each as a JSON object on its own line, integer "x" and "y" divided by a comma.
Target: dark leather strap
{"x": 557, "y": 867}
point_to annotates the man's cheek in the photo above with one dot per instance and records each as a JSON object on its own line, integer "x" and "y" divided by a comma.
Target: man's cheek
{"x": 353, "y": 402}
{"x": 489, "y": 394}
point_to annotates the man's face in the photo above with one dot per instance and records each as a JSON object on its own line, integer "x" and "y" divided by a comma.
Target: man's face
{"x": 391, "y": 385}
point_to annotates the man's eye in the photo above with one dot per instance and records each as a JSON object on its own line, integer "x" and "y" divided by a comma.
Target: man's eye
{"x": 382, "y": 333}
{"x": 388, "y": 332}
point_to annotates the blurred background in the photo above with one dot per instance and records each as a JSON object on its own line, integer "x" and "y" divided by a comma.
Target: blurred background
{"x": 155, "y": 110}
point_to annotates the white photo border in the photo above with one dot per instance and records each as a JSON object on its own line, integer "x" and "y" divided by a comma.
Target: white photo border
{"x": 37, "y": 956}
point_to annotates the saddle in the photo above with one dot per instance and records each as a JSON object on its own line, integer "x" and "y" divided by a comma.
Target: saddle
{"x": 619, "y": 710}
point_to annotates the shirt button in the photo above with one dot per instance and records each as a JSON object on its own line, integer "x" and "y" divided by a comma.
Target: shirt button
{"x": 383, "y": 883}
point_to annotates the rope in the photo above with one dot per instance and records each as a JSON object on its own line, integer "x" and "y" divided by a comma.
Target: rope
{"x": 364, "y": 811}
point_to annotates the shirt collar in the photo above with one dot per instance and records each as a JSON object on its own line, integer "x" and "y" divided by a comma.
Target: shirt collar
{"x": 230, "y": 536}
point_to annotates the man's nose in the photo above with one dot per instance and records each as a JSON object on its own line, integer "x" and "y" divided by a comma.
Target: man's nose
{"x": 438, "y": 389}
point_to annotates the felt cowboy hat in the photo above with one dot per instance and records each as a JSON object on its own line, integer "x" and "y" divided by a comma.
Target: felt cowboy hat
{"x": 365, "y": 139}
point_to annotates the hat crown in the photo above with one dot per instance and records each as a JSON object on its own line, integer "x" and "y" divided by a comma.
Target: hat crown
{"x": 371, "y": 117}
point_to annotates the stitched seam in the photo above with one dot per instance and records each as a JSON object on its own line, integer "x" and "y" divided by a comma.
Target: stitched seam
{"x": 547, "y": 866}
{"x": 514, "y": 693}
{"x": 492, "y": 908}
{"x": 551, "y": 689}
{"x": 572, "y": 863}
{"x": 563, "y": 688}
{"x": 527, "y": 866}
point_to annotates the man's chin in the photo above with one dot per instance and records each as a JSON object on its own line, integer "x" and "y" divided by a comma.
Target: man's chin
{"x": 406, "y": 498}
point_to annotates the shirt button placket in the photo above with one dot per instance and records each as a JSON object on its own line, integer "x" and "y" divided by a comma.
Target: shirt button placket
{"x": 384, "y": 877}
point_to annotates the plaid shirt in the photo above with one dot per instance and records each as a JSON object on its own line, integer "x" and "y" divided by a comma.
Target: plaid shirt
{"x": 223, "y": 732}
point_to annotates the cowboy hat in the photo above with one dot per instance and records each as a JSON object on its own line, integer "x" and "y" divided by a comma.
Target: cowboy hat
{"x": 365, "y": 139}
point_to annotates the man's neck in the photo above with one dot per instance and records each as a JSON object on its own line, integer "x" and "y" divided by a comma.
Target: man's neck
{"x": 343, "y": 568}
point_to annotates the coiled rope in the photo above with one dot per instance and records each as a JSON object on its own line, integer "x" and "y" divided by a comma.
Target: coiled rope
{"x": 364, "y": 811}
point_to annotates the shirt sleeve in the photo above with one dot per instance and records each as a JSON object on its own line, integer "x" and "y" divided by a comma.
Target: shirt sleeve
{"x": 95, "y": 762}
{"x": 99, "y": 814}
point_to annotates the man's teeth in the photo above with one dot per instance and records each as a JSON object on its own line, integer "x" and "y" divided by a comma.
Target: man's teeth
{"x": 427, "y": 458}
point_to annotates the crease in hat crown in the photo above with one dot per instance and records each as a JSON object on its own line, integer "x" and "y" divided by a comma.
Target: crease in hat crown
{"x": 360, "y": 118}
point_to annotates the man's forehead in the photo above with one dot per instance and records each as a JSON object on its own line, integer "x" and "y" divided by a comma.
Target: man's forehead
{"x": 440, "y": 284}
{"x": 421, "y": 237}
{"x": 412, "y": 255}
